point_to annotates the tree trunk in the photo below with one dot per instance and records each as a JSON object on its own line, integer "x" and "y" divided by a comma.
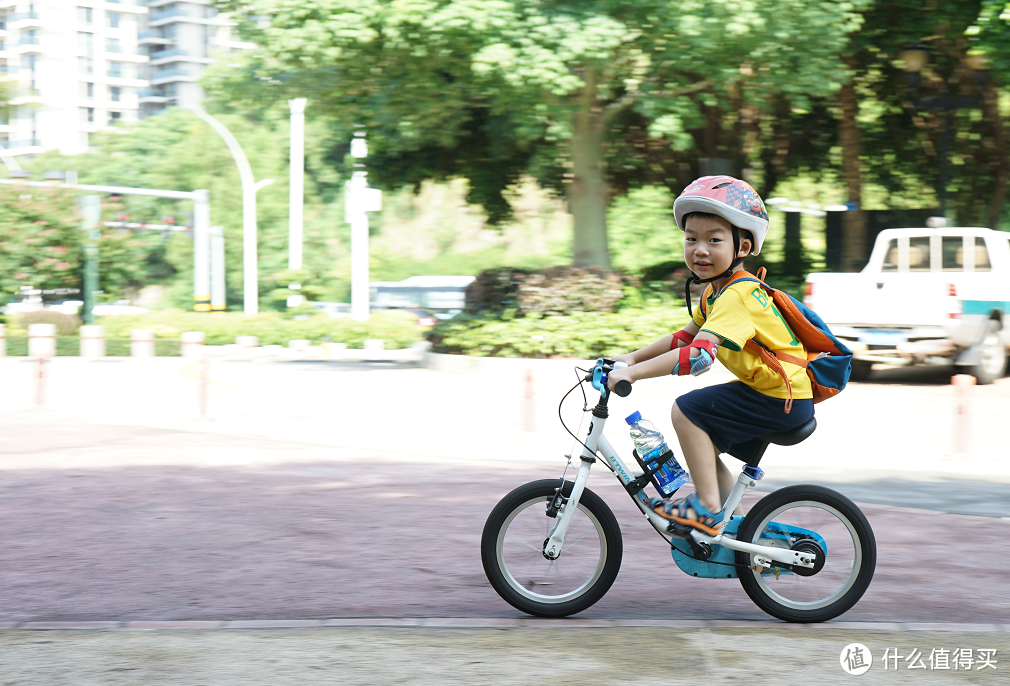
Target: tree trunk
{"x": 990, "y": 109}
{"x": 853, "y": 223}
{"x": 587, "y": 193}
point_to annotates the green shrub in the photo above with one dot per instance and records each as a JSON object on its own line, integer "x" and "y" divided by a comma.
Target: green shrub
{"x": 17, "y": 346}
{"x": 66, "y": 324}
{"x": 582, "y": 335}
{"x": 551, "y": 291}
{"x": 398, "y": 329}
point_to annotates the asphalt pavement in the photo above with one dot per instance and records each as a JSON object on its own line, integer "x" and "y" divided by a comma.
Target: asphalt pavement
{"x": 357, "y": 492}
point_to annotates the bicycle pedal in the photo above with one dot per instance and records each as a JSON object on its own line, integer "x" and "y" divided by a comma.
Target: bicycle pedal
{"x": 679, "y": 530}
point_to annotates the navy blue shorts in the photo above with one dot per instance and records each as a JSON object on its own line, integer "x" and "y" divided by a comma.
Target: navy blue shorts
{"x": 734, "y": 415}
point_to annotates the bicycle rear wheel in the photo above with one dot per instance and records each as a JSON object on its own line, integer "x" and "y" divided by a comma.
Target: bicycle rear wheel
{"x": 842, "y": 538}
{"x": 512, "y": 551}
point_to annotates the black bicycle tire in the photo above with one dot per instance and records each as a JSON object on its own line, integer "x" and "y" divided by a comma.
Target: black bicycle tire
{"x": 592, "y": 594}
{"x": 864, "y": 535}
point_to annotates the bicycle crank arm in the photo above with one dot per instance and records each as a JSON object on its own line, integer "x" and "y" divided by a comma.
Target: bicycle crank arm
{"x": 766, "y": 554}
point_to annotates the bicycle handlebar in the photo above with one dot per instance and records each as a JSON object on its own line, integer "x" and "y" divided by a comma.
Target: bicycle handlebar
{"x": 598, "y": 377}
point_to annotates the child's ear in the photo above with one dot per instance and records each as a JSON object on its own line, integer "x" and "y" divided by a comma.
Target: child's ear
{"x": 746, "y": 245}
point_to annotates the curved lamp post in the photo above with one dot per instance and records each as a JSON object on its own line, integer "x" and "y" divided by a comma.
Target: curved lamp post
{"x": 250, "y": 284}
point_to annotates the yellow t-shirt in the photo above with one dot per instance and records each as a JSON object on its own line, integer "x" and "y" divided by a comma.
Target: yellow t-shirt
{"x": 743, "y": 311}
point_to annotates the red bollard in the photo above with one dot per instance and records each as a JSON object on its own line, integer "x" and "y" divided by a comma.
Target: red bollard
{"x": 529, "y": 411}
{"x": 204, "y": 374}
{"x": 962, "y": 420}
{"x": 40, "y": 389}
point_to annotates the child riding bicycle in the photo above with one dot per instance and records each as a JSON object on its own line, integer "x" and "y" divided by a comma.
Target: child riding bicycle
{"x": 723, "y": 219}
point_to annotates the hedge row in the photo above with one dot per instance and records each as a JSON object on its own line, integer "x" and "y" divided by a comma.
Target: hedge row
{"x": 396, "y": 328}
{"x": 582, "y": 335}
{"x": 551, "y": 291}
{"x": 17, "y": 346}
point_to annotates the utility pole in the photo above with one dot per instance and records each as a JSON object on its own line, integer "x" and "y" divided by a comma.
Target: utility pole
{"x": 91, "y": 208}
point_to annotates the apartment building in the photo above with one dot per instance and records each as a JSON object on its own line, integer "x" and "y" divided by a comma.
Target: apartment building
{"x": 73, "y": 67}
{"x": 181, "y": 38}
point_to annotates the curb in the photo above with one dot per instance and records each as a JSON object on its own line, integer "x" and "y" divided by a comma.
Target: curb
{"x": 492, "y": 623}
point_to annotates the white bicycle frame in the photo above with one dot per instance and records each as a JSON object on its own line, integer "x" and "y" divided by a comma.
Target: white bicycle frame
{"x": 596, "y": 444}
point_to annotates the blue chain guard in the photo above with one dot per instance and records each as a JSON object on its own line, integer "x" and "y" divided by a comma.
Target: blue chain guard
{"x": 710, "y": 569}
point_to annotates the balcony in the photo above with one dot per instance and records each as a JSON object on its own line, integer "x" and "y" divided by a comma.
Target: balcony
{"x": 153, "y": 38}
{"x": 153, "y": 96}
{"x": 26, "y": 143}
{"x": 167, "y": 14}
{"x": 172, "y": 74}
{"x": 24, "y": 20}
{"x": 113, "y": 48}
{"x": 169, "y": 54}
{"x": 28, "y": 44}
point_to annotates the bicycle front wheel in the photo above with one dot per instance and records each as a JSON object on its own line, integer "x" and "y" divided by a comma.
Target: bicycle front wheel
{"x": 512, "y": 551}
{"x": 822, "y": 521}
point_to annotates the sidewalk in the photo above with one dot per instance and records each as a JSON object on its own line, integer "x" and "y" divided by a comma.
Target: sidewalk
{"x": 902, "y": 422}
{"x": 502, "y": 657}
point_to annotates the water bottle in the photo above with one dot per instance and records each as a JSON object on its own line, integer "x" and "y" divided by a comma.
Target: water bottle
{"x": 650, "y": 445}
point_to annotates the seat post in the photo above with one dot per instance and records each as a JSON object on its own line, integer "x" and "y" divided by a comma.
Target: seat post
{"x": 758, "y": 454}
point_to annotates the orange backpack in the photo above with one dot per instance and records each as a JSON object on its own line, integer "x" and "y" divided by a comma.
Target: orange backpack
{"x": 828, "y": 361}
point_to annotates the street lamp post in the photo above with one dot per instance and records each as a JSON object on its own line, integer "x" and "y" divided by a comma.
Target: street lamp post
{"x": 250, "y": 278}
{"x": 914, "y": 58}
{"x": 358, "y": 201}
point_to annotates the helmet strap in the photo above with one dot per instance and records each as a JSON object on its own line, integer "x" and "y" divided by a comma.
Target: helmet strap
{"x": 694, "y": 278}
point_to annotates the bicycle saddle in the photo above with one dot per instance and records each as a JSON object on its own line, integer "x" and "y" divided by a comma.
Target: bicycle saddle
{"x": 793, "y": 436}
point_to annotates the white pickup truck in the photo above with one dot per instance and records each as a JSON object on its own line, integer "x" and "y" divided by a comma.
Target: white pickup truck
{"x": 927, "y": 296}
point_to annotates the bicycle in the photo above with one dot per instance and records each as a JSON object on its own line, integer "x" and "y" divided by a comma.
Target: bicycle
{"x": 803, "y": 553}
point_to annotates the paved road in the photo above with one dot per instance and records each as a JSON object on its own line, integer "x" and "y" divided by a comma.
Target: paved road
{"x": 359, "y": 491}
{"x": 355, "y": 490}
{"x": 117, "y": 522}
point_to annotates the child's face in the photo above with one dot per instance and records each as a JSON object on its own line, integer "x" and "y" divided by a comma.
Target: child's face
{"x": 708, "y": 246}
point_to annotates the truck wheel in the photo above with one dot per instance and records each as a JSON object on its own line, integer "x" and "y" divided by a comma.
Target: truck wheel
{"x": 994, "y": 358}
{"x": 860, "y": 370}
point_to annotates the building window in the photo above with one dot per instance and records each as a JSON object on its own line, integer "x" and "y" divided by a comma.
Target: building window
{"x": 91, "y": 90}
{"x": 91, "y": 114}
{"x": 86, "y": 65}
{"x": 112, "y": 45}
{"x": 114, "y": 93}
{"x": 114, "y": 117}
{"x": 84, "y": 15}
{"x": 113, "y": 19}
{"x": 85, "y": 43}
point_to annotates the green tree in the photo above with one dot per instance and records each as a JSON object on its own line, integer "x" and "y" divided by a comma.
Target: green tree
{"x": 39, "y": 240}
{"x": 568, "y": 92}
{"x": 177, "y": 151}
